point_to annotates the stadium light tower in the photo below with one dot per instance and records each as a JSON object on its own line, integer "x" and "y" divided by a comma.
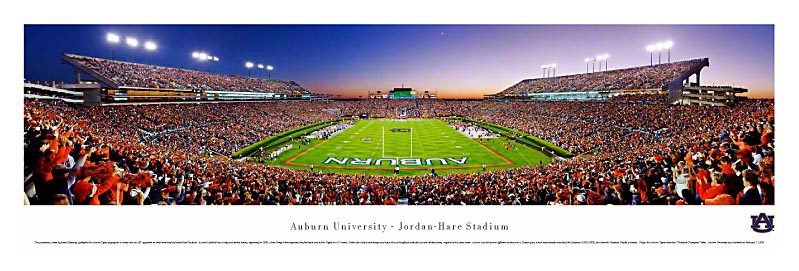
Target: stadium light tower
{"x": 215, "y": 59}
{"x": 209, "y": 58}
{"x": 544, "y": 71}
{"x": 260, "y": 67}
{"x": 249, "y": 66}
{"x": 651, "y": 50}
{"x": 587, "y": 59}
{"x": 113, "y": 39}
{"x": 269, "y": 69}
{"x": 195, "y": 55}
{"x": 150, "y": 46}
{"x": 133, "y": 43}
{"x": 553, "y": 68}
{"x": 600, "y": 58}
{"x": 668, "y": 45}
{"x": 605, "y": 57}
{"x": 202, "y": 57}
{"x": 659, "y": 48}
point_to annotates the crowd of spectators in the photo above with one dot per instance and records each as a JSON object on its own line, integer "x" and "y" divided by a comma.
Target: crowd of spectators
{"x": 331, "y": 130}
{"x": 150, "y": 76}
{"x": 645, "y": 77}
{"x": 628, "y": 154}
{"x": 641, "y": 97}
{"x": 471, "y": 130}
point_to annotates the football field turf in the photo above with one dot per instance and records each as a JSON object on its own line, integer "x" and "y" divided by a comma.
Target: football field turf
{"x": 377, "y": 146}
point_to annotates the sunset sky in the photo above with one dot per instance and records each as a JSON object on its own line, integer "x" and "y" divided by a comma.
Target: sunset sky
{"x": 455, "y": 60}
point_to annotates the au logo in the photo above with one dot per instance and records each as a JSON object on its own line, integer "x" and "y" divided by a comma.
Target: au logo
{"x": 758, "y": 222}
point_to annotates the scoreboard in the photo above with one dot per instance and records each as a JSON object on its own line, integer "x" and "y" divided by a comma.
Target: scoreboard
{"x": 403, "y": 93}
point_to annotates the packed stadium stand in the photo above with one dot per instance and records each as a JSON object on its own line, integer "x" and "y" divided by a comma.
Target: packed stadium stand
{"x": 653, "y": 83}
{"x": 632, "y": 154}
{"x": 628, "y": 152}
{"x": 157, "y": 77}
{"x": 116, "y": 81}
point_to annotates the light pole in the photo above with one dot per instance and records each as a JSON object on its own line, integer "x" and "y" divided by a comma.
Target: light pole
{"x": 249, "y": 66}
{"x": 605, "y": 57}
{"x": 133, "y": 43}
{"x": 195, "y": 55}
{"x": 659, "y": 48}
{"x": 260, "y": 67}
{"x": 599, "y": 58}
{"x": 150, "y": 46}
{"x": 553, "y": 68}
{"x": 202, "y": 58}
{"x": 113, "y": 39}
{"x": 216, "y": 59}
{"x": 269, "y": 69}
{"x": 587, "y": 59}
{"x": 544, "y": 71}
{"x": 668, "y": 45}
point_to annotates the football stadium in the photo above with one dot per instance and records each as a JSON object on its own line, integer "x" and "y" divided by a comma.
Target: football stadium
{"x": 128, "y": 132}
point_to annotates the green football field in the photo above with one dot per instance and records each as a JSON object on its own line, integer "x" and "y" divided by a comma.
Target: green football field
{"x": 415, "y": 146}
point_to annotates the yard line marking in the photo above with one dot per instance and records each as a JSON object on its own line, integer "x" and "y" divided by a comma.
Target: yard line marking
{"x": 369, "y": 124}
{"x": 523, "y": 156}
{"x": 508, "y": 161}
{"x": 288, "y": 162}
{"x": 421, "y": 142}
{"x": 383, "y": 140}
